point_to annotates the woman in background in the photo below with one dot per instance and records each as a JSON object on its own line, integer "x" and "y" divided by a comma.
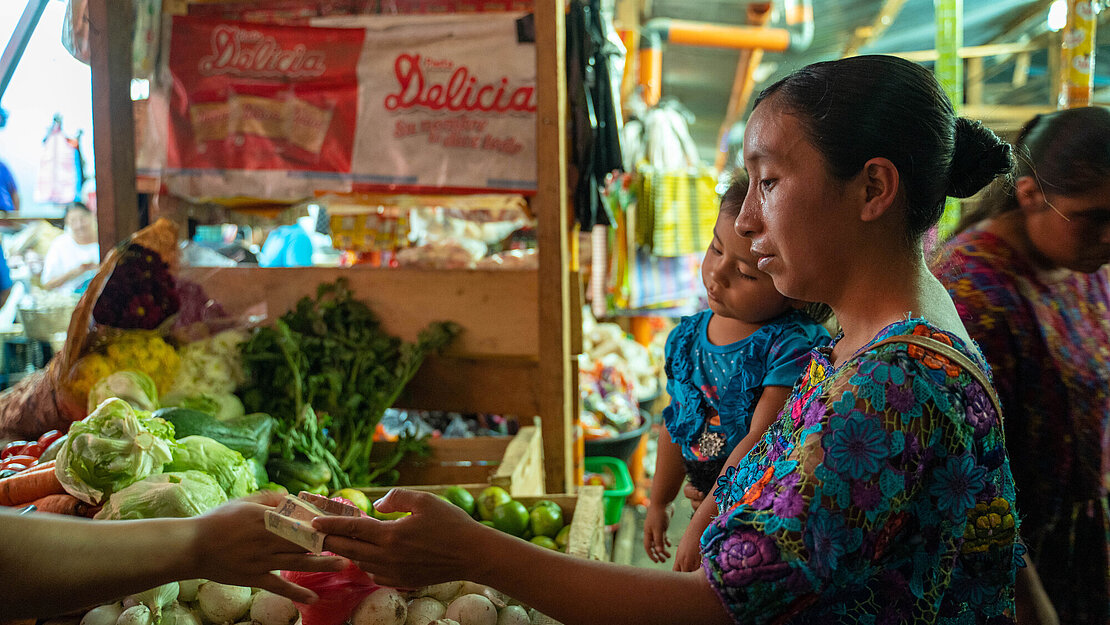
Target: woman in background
{"x": 75, "y": 254}
{"x": 1029, "y": 274}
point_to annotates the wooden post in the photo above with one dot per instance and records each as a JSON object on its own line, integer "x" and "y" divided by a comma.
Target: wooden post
{"x": 117, "y": 208}
{"x": 974, "y": 93}
{"x": 557, "y": 380}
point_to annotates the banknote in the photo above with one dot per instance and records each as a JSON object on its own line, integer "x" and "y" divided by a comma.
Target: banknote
{"x": 296, "y": 531}
{"x": 292, "y": 520}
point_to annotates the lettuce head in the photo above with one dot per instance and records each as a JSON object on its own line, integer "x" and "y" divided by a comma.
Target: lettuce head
{"x": 200, "y": 453}
{"x": 175, "y": 494}
{"x": 112, "y": 448}
{"x": 134, "y": 387}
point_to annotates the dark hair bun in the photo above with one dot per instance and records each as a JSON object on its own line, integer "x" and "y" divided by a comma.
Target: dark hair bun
{"x": 978, "y": 158}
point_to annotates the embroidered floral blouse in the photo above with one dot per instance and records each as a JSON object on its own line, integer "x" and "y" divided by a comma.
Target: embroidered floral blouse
{"x": 1047, "y": 339}
{"x": 882, "y": 494}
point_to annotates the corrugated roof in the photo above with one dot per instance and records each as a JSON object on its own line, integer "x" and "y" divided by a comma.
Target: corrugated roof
{"x": 700, "y": 78}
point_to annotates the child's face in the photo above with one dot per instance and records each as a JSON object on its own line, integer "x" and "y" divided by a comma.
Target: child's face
{"x": 737, "y": 290}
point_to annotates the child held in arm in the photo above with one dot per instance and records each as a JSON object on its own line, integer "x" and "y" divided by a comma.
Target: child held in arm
{"x": 729, "y": 372}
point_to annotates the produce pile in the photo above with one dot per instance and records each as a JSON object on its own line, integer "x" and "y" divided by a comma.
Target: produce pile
{"x": 197, "y": 602}
{"x": 615, "y": 375}
{"x": 168, "y": 401}
{"x": 193, "y": 602}
{"x": 328, "y": 372}
{"x": 350, "y": 596}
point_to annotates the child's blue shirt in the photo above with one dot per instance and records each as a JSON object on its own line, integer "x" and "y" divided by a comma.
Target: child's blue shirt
{"x": 714, "y": 388}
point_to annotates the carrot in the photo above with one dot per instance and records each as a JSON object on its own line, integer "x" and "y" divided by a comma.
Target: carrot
{"x": 63, "y": 503}
{"x": 27, "y": 486}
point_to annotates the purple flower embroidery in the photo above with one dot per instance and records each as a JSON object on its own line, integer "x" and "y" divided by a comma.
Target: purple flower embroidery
{"x": 980, "y": 412}
{"x": 788, "y": 504}
{"x": 765, "y": 499}
{"x": 749, "y": 556}
{"x": 900, "y": 398}
{"x": 812, "y": 413}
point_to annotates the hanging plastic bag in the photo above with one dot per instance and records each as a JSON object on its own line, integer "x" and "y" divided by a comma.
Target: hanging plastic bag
{"x": 144, "y": 42}
{"x": 59, "y": 168}
{"x": 339, "y": 592}
{"x": 75, "y": 30}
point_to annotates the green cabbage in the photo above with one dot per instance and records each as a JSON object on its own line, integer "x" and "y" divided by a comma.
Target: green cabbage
{"x": 134, "y": 387}
{"x": 231, "y": 470}
{"x": 113, "y": 447}
{"x": 183, "y": 494}
{"x": 223, "y": 406}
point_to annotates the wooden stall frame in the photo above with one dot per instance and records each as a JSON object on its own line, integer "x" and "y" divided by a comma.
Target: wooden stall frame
{"x": 530, "y": 372}
{"x": 513, "y": 463}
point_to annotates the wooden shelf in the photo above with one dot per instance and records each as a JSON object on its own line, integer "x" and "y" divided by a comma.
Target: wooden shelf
{"x": 516, "y": 354}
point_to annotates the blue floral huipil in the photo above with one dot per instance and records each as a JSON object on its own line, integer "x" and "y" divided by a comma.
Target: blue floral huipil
{"x": 883, "y": 494}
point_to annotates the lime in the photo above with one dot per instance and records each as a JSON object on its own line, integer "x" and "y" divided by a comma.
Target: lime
{"x": 355, "y": 496}
{"x": 563, "y": 537}
{"x": 488, "y": 524}
{"x": 387, "y": 516}
{"x": 546, "y": 518}
{"x": 511, "y": 518}
{"x": 489, "y": 499}
{"x": 460, "y": 497}
{"x": 545, "y": 542}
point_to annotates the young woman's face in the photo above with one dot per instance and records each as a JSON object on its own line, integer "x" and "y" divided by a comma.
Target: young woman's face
{"x": 737, "y": 289}
{"x": 1072, "y": 231}
{"x": 82, "y": 224}
{"x": 795, "y": 213}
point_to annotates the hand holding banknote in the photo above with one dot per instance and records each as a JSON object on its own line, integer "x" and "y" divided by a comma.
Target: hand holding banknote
{"x": 234, "y": 546}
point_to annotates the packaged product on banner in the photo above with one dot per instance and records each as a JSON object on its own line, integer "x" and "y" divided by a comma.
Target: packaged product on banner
{"x": 406, "y": 104}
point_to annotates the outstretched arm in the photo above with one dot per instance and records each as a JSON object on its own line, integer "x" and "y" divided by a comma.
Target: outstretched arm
{"x": 439, "y": 543}
{"x": 51, "y": 564}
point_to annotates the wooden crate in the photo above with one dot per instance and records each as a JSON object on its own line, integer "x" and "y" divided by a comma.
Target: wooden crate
{"x": 514, "y": 463}
{"x": 586, "y": 511}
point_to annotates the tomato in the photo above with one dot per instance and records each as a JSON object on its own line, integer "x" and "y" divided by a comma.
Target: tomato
{"x": 15, "y": 466}
{"x": 23, "y": 461}
{"x": 13, "y": 448}
{"x": 49, "y": 437}
{"x": 32, "y": 449}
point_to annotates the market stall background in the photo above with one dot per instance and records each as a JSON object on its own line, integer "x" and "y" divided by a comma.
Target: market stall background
{"x": 1011, "y": 49}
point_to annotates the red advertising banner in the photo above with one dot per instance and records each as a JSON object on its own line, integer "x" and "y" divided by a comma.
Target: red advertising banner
{"x": 405, "y": 104}
{"x": 251, "y": 96}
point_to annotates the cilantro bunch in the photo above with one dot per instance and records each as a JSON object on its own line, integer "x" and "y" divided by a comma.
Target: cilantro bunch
{"x": 327, "y": 372}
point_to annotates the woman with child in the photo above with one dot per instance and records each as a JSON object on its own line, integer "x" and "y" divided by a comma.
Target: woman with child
{"x": 729, "y": 371}
{"x": 883, "y": 492}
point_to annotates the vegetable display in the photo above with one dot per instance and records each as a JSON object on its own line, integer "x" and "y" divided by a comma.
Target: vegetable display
{"x": 200, "y": 453}
{"x": 180, "y": 494}
{"x": 112, "y": 448}
{"x": 136, "y": 350}
{"x": 327, "y": 372}
{"x": 134, "y": 387}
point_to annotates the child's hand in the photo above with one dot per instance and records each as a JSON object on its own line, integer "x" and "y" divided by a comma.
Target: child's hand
{"x": 688, "y": 556}
{"x": 694, "y": 495}
{"x": 655, "y": 532}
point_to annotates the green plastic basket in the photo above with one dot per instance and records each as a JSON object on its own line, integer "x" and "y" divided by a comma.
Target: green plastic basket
{"x": 614, "y": 497}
